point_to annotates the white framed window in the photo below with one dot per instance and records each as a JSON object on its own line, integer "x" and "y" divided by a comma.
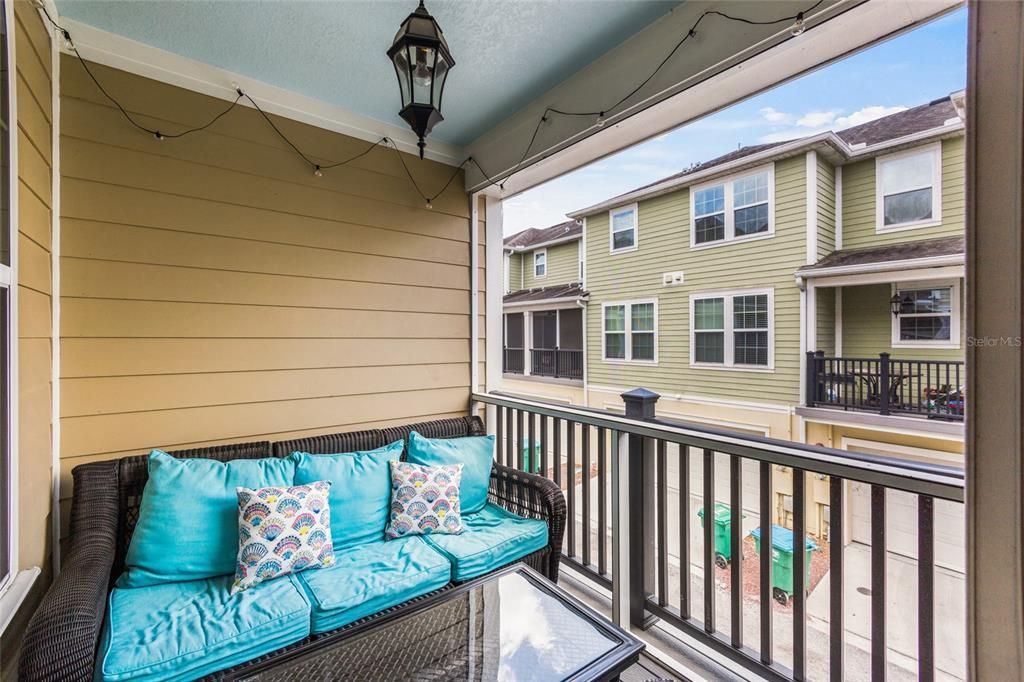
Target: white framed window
{"x": 737, "y": 208}
{"x": 929, "y": 315}
{"x": 630, "y": 331}
{"x": 623, "y": 230}
{"x": 540, "y": 263}
{"x": 733, "y": 329}
{"x": 908, "y": 188}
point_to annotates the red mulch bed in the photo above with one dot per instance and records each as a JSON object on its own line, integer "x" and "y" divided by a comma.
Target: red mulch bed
{"x": 752, "y": 571}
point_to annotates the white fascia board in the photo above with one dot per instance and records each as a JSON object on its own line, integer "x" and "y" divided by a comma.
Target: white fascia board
{"x": 565, "y": 302}
{"x": 122, "y": 53}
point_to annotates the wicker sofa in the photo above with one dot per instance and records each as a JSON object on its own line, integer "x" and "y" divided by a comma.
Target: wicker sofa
{"x": 62, "y": 638}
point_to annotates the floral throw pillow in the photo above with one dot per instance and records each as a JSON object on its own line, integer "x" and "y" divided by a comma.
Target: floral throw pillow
{"x": 282, "y": 531}
{"x": 424, "y": 499}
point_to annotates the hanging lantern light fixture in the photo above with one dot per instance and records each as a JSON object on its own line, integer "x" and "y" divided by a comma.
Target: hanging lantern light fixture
{"x": 422, "y": 61}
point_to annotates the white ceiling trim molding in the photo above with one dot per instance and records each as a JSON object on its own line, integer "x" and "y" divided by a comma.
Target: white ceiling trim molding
{"x": 756, "y": 59}
{"x": 119, "y": 52}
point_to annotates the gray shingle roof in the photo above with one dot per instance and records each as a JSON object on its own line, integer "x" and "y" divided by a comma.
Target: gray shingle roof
{"x": 535, "y": 235}
{"x": 926, "y": 248}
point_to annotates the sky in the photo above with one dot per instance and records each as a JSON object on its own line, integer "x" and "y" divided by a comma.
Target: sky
{"x": 914, "y": 68}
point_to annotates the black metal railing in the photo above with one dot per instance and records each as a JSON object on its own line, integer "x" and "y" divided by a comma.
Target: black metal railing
{"x": 621, "y": 492}
{"x": 557, "y": 362}
{"x": 929, "y": 388}
{"x": 512, "y": 362}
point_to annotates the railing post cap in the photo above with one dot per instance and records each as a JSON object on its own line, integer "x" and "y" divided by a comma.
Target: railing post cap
{"x": 640, "y": 403}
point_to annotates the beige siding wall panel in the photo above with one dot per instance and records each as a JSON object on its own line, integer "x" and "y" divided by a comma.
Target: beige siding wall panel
{"x": 109, "y": 357}
{"x": 32, "y": 79}
{"x": 214, "y": 290}
{"x": 563, "y": 266}
{"x": 134, "y": 281}
{"x": 859, "y": 218}
{"x": 664, "y": 240}
{"x": 34, "y": 217}
{"x": 112, "y": 395}
{"x": 186, "y": 109}
{"x": 125, "y": 319}
{"x": 242, "y": 421}
{"x": 86, "y": 121}
{"x": 91, "y": 201}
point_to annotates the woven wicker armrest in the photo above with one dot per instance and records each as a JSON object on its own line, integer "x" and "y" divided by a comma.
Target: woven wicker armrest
{"x": 61, "y": 639}
{"x": 534, "y": 497}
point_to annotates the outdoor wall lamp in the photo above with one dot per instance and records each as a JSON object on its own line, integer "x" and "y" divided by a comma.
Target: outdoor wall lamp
{"x": 900, "y": 304}
{"x": 422, "y": 61}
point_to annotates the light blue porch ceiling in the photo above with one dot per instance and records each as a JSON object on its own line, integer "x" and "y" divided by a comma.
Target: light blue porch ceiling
{"x": 507, "y": 52}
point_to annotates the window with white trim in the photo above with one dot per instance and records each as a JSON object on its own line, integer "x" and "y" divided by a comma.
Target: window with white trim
{"x": 929, "y": 315}
{"x": 732, "y": 329}
{"x": 630, "y": 331}
{"x": 908, "y": 188}
{"x": 8, "y": 525}
{"x": 622, "y": 223}
{"x": 540, "y": 263}
{"x": 733, "y": 209}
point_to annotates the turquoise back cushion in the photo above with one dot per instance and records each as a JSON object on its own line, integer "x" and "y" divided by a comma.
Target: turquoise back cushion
{"x": 188, "y": 518}
{"x": 360, "y": 492}
{"x": 476, "y": 453}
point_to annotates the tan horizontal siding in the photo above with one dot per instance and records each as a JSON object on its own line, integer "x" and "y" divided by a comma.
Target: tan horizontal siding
{"x": 859, "y": 206}
{"x": 33, "y": 90}
{"x": 825, "y": 329}
{"x": 664, "y": 245}
{"x": 214, "y": 290}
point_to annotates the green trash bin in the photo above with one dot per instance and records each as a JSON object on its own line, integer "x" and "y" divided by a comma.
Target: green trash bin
{"x": 531, "y": 464}
{"x": 723, "y": 527}
{"x": 782, "y": 561}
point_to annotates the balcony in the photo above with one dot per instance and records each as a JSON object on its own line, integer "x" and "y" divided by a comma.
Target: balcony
{"x": 828, "y": 613}
{"x": 932, "y": 389}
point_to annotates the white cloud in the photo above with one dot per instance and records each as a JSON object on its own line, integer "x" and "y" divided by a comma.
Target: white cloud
{"x": 866, "y": 114}
{"x": 814, "y": 122}
{"x": 774, "y": 116}
{"x": 817, "y": 119}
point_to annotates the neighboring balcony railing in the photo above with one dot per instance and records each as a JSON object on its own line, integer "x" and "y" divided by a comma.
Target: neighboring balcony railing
{"x": 513, "y": 361}
{"x": 557, "y": 363}
{"x": 635, "y": 485}
{"x": 928, "y": 388}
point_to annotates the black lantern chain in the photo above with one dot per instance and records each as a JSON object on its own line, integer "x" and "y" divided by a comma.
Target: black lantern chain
{"x": 413, "y": 29}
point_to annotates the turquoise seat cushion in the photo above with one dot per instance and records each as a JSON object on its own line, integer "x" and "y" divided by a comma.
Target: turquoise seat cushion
{"x": 184, "y": 630}
{"x": 475, "y": 453}
{"x": 492, "y": 538}
{"x": 360, "y": 495}
{"x": 188, "y": 518}
{"x": 373, "y": 577}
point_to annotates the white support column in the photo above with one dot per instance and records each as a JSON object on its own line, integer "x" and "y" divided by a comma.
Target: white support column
{"x": 492, "y": 308}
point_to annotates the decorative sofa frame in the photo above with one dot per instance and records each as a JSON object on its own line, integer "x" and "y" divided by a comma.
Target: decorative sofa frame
{"x": 63, "y": 635}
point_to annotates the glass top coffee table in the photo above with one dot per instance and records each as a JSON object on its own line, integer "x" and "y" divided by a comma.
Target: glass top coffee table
{"x": 513, "y": 626}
